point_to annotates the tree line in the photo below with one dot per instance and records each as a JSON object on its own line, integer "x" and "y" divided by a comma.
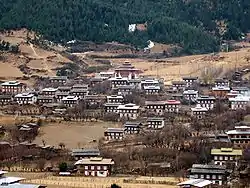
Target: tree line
{"x": 189, "y": 24}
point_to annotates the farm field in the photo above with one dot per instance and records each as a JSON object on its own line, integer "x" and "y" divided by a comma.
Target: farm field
{"x": 73, "y": 134}
{"x": 88, "y": 182}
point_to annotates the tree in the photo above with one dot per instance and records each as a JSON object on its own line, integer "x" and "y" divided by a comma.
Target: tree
{"x": 115, "y": 186}
{"x": 63, "y": 167}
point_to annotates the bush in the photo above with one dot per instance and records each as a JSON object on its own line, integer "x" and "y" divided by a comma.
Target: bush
{"x": 63, "y": 167}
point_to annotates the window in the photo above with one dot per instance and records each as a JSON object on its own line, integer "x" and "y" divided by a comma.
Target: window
{"x": 105, "y": 167}
{"x": 202, "y": 176}
{"x": 92, "y": 167}
{"x": 86, "y": 167}
{"x": 215, "y": 158}
{"x": 98, "y": 168}
{"x": 207, "y": 176}
{"x": 213, "y": 177}
{"x": 226, "y": 158}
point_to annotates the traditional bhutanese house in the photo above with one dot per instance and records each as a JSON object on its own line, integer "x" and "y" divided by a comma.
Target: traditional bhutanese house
{"x": 5, "y": 99}
{"x": 151, "y": 90}
{"x": 95, "y": 99}
{"x": 224, "y": 155}
{"x": 131, "y": 127}
{"x": 111, "y": 107}
{"x": 177, "y": 96}
{"x": 196, "y": 183}
{"x": 155, "y": 107}
{"x": 215, "y": 173}
{"x": 70, "y": 101}
{"x": 114, "y": 134}
{"x": 179, "y": 85}
{"x": 107, "y": 75}
{"x": 127, "y": 70}
{"x": 206, "y": 101}
{"x": 115, "y": 99}
{"x": 45, "y": 99}
{"x": 190, "y": 95}
{"x": 78, "y": 92}
{"x": 221, "y": 83}
{"x": 239, "y": 102}
{"x": 241, "y": 90}
{"x": 59, "y": 95}
{"x": 84, "y": 153}
{"x": 172, "y": 106}
{"x": 96, "y": 80}
{"x": 135, "y": 82}
{"x": 63, "y": 88}
{"x": 155, "y": 123}
{"x": 95, "y": 166}
{"x": 25, "y": 98}
{"x": 199, "y": 112}
{"x": 118, "y": 81}
{"x": 128, "y": 111}
{"x": 240, "y": 136}
{"x": 220, "y": 92}
{"x": 190, "y": 81}
{"x": 58, "y": 80}
{"x": 80, "y": 86}
{"x": 232, "y": 94}
{"x": 48, "y": 92}
{"x": 149, "y": 82}
{"x": 125, "y": 90}
{"x": 12, "y": 87}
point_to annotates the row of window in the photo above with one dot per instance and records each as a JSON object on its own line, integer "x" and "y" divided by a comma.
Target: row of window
{"x": 93, "y": 167}
{"x": 214, "y": 177}
{"x": 223, "y": 158}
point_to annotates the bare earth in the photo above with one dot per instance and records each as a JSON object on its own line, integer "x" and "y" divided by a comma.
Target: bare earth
{"x": 73, "y": 135}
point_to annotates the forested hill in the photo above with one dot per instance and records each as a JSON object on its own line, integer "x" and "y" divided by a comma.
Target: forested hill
{"x": 195, "y": 25}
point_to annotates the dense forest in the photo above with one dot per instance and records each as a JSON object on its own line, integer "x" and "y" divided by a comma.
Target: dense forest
{"x": 197, "y": 26}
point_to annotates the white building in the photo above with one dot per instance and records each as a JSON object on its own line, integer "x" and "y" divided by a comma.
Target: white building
{"x": 111, "y": 107}
{"x": 190, "y": 81}
{"x": 155, "y": 107}
{"x": 12, "y": 87}
{"x": 221, "y": 83}
{"x": 107, "y": 75}
{"x": 149, "y": 82}
{"x": 224, "y": 155}
{"x": 190, "y": 95}
{"x": 240, "y": 136}
{"x": 239, "y": 102}
{"x": 115, "y": 99}
{"x": 129, "y": 111}
{"x": 199, "y": 112}
{"x": 25, "y": 98}
{"x": 151, "y": 90}
{"x": 49, "y": 91}
{"x": 155, "y": 123}
{"x": 206, "y": 101}
{"x": 114, "y": 134}
{"x": 172, "y": 106}
{"x": 118, "y": 81}
{"x": 70, "y": 101}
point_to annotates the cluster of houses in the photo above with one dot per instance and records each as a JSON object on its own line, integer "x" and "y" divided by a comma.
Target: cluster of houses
{"x": 185, "y": 95}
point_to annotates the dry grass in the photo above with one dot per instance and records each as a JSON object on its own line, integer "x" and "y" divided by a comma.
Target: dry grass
{"x": 73, "y": 134}
{"x": 34, "y": 57}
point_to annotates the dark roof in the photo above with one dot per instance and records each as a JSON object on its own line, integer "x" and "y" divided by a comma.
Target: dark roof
{"x": 85, "y": 152}
{"x": 190, "y": 78}
{"x": 155, "y": 119}
{"x": 132, "y": 124}
{"x": 5, "y": 96}
{"x": 207, "y": 169}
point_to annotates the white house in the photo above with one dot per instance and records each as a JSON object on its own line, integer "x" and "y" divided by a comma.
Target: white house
{"x": 172, "y": 106}
{"x": 118, "y": 81}
{"x": 223, "y": 155}
{"x": 151, "y": 90}
{"x": 130, "y": 111}
{"x": 49, "y": 91}
{"x": 199, "y": 112}
{"x": 115, "y": 99}
{"x": 12, "y": 87}
{"x": 239, "y": 102}
{"x": 114, "y": 134}
{"x": 111, "y": 107}
{"x": 190, "y": 95}
{"x": 25, "y": 98}
{"x": 240, "y": 136}
{"x": 206, "y": 101}
{"x": 70, "y": 101}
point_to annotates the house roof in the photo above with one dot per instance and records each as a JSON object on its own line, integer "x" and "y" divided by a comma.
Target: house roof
{"x": 190, "y": 91}
{"x": 5, "y": 96}
{"x": 155, "y": 102}
{"x": 115, "y": 130}
{"x": 196, "y": 182}
{"x": 173, "y": 102}
{"x": 49, "y": 89}
{"x": 205, "y": 168}
{"x": 24, "y": 95}
{"x": 85, "y": 152}
{"x": 155, "y": 119}
{"x": 240, "y": 98}
{"x": 204, "y": 97}
{"x": 112, "y": 104}
{"x": 128, "y": 106}
{"x": 58, "y": 78}
{"x": 18, "y": 185}
{"x": 9, "y": 180}
{"x": 132, "y": 123}
{"x": 152, "y": 87}
{"x": 190, "y": 78}
{"x": 178, "y": 83}
{"x": 114, "y": 97}
{"x": 199, "y": 109}
{"x": 11, "y": 83}
{"x": 221, "y": 88}
{"x": 226, "y": 151}
{"x": 95, "y": 161}
{"x": 71, "y": 98}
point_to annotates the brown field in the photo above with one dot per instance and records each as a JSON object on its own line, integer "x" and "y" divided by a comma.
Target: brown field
{"x": 73, "y": 134}
{"x": 174, "y": 68}
{"x": 33, "y": 56}
{"x": 88, "y": 182}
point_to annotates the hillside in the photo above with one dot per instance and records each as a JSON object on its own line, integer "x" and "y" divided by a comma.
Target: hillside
{"x": 194, "y": 25}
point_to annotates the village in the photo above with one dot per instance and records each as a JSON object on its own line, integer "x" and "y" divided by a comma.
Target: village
{"x": 191, "y": 129}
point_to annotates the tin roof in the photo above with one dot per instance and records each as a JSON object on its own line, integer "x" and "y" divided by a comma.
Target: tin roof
{"x": 195, "y": 183}
{"x": 95, "y": 161}
{"x": 226, "y": 151}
